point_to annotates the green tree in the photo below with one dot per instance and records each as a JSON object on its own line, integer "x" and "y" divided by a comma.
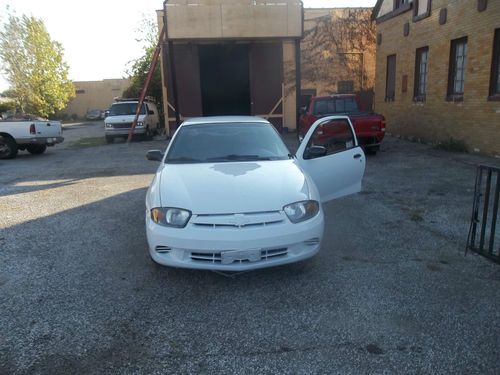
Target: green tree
{"x": 139, "y": 68}
{"x": 34, "y": 66}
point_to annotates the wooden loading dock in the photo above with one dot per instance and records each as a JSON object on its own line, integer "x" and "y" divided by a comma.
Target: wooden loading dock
{"x": 231, "y": 57}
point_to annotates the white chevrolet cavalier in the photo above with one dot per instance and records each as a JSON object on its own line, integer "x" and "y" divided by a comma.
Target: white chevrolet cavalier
{"x": 229, "y": 196}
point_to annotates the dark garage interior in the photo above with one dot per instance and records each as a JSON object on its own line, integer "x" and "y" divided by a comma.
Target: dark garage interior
{"x": 225, "y": 79}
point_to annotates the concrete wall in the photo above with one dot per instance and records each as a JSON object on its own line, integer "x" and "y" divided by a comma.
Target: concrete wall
{"x": 216, "y": 19}
{"x": 95, "y": 95}
{"x": 475, "y": 120}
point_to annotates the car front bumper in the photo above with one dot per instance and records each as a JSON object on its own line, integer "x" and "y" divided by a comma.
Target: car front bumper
{"x": 234, "y": 249}
{"x": 123, "y": 132}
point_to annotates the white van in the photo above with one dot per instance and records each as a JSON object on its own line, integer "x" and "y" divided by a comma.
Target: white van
{"x": 121, "y": 114}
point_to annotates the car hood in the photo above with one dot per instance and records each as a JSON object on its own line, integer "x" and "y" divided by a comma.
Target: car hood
{"x": 233, "y": 187}
{"x": 123, "y": 118}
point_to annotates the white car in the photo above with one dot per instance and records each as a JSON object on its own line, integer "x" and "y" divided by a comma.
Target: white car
{"x": 121, "y": 115}
{"x": 28, "y": 133}
{"x": 229, "y": 196}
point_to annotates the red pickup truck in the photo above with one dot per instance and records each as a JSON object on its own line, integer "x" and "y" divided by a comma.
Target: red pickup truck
{"x": 369, "y": 126}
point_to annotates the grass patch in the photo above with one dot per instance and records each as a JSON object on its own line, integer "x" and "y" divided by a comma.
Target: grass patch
{"x": 88, "y": 142}
{"x": 453, "y": 145}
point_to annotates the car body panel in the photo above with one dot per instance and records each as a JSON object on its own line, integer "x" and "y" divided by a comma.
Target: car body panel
{"x": 233, "y": 187}
{"x": 119, "y": 125}
{"x": 46, "y": 132}
{"x": 368, "y": 126}
{"x": 237, "y": 220}
{"x": 335, "y": 175}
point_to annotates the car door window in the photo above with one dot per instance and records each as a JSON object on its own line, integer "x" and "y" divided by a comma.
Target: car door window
{"x": 335, "y": 136}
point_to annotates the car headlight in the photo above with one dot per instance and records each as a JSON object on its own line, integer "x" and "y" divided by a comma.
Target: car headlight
{"x": 301, "y": 211}
{"x": 170, "y": 217}
{"x": 139, "y": 124}
{"x": 109, "y": 125}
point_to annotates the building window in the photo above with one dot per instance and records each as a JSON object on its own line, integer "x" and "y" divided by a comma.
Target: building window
{"x": 80, "y": 91}
{"x": 345, "y": 87}
{"x": 421, "y": 61}
{"x": 495, "y": 68}
{"x": 421, "y": 9}
{"x": 399, "y": 3}
{"x": 456, "y": 72}
{"x": 390, "y": 80}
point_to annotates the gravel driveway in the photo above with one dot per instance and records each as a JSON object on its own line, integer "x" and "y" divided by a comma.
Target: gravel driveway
{"x": 390, "y": 291}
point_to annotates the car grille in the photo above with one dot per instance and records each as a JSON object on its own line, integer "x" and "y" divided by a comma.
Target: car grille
{"x": 216, "y": 257}
{"x": 246, "y": 220}
{"x": 122, "y": 125}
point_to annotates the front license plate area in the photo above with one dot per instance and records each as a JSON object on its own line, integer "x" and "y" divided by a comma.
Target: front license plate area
{"x": 228, "y": 257}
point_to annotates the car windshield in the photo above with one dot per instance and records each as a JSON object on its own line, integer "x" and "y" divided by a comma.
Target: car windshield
{"x": 208, "y": 143}
{"x": 121, "y": 109}
{"x": 335, "y": 105}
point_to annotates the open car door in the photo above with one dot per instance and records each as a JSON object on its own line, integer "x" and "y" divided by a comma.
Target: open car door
{"x": 330, "y": 154}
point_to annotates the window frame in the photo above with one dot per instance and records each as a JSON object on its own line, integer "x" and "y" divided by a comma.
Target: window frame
{"x": 494, "y": 90}
{"x": 417, "y": 95}
{"x": 397, "y": 4}
{"x": 328, "y": 151}
{"x": 389, "y": 98}
{"x": 453, "y": 95}
{"x": 416, "y": 6}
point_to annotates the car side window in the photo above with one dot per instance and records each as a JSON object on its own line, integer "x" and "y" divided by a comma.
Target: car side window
{"x": 335, "y": 136}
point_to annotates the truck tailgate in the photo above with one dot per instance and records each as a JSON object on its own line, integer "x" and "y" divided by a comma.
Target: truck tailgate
{"x": 366, "y": 125}
{"x": 48, "y": 128}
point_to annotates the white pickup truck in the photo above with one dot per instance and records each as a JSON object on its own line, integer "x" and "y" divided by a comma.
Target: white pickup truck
{"x": 33, "y": 135}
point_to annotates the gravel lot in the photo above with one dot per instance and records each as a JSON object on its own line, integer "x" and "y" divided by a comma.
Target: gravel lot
{"x": 390, "y": 291}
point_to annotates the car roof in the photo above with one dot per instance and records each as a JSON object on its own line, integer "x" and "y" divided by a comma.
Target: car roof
{"x": 224, "y": 120}
{"x": 335, "y": 96}
{"x": 134, "y": 102}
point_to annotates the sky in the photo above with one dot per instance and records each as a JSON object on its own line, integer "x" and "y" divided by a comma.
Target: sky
{"x": 99, "y": 36}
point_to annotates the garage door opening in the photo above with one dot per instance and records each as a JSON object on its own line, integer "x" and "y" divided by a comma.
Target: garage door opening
{"x": 225, "y": 79}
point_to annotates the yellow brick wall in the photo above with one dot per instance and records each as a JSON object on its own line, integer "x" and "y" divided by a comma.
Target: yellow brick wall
{"x": 475, "y": 120}
{"x": 327, "y": 87}
{"x": 95, "y": 95}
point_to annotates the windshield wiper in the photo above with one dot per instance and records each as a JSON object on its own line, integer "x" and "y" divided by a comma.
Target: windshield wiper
{"x": 232, "y": 157}
{"x": 182, "y": 160}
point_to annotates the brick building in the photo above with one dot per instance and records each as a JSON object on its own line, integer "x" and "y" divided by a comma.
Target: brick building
{"x": 438, "y": 70}
{"x": 95, "y": 95}
{"x": 345, "y": 63}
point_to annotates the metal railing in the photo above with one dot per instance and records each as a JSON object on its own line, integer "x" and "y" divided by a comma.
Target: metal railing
{"x": 483, "y": 235}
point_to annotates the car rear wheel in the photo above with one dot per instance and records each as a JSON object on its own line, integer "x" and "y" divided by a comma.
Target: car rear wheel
{"x": 8, "y": 148}
{"x": 148, "y": 135}
{"x": 36, "y": 149}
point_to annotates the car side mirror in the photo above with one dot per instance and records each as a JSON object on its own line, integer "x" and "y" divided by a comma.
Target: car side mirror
{"x": 314, "y": 152}
{"x": 106, "y": 114}
{"x": 151, "y": 112}
{"x": 155, "y": 155}
{"x": 303, "y": 110}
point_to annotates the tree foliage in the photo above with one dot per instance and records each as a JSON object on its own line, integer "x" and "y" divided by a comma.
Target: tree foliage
{"x": 34, "y": 66}
{"x": 336, "y": 39}
{"x": 139, "y": 68}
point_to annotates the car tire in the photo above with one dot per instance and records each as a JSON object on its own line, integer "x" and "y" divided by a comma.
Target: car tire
{"x": 371, "y": 150}
{"x": 148, "y": 135}
{"x": 36, "y": 149}
{"x": 8, "y": 148}
{"x": 109, "y": 139}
